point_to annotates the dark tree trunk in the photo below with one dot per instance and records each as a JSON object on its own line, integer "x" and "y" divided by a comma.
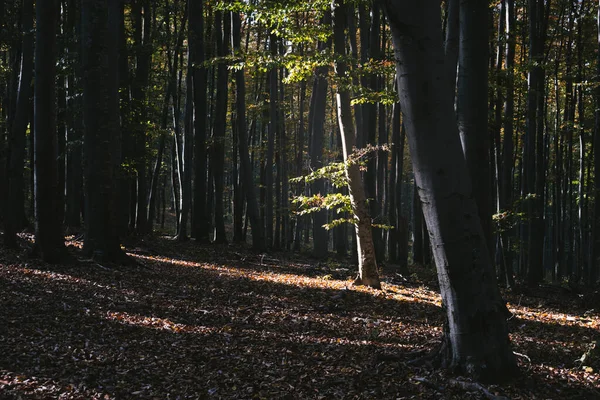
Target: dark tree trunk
{"x": 74, "y": 161}
{"x": 15, "y": 208}
{"x": 452, "y": 42}
{"x": 367, "y": 263}
{"x": 476, "y": 335}
{"x": 100, "y": 28}
{"x": 506, "y": 186}
{"x": 142, "y": 18}
{"x": 222, "y": 32}
{"x": 49, "y": 240}
{"x": 258, "y": 237}
{"x": 595, "y": 267}
{"x": 472, "y": 112}
{"x": 196, "y": 33}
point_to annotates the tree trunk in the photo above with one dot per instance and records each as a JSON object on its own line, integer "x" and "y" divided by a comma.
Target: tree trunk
{"x": 472, "y": 112}
{"x": 316, "y": 124}
{"x": 476, "y": 335}
{"x": 15, "y": 207}
{"x": 367, "y": 264}
{"x": 49, "y": 240}
{"x": 102, "y": 131}
{"x": 196, "y": 33}
{"x": 595, "y": 267}
{"x": 218, "y": 158}
{"x": 506, "y": 186}
{"x": 258, "y": 237}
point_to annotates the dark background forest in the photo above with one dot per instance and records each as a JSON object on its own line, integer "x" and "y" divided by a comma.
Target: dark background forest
{"x": 257, "y": 189}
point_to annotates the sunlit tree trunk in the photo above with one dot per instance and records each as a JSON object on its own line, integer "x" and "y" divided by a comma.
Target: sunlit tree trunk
{"x": 367, "y": 264}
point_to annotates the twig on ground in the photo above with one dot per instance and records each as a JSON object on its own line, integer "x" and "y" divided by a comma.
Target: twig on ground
{"x": 522, "y": 356}
{"x": 474, "y": 386}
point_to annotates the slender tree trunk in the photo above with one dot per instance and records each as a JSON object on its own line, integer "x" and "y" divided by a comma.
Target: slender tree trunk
{"x": 316, "y": 123}
{"x": 506, "y": 194}
{"x": 367, "y": 264}
{"x": 476, "y": 335}
{"x": 218, "y": 159}
{"x": 248, "y": 187}
{"x": 15, "y": 207}
{"x": 201, "y": 223}
{"x": 471, "y": 107}
{"x": 595, "y": 267}
{"x": 452, "y": 42}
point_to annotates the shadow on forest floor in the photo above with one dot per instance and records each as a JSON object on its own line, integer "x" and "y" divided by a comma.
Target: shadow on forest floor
{"x": 220, "y": 321}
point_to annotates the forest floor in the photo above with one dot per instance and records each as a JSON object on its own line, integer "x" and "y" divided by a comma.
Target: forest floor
{"x": 195, "y": 321}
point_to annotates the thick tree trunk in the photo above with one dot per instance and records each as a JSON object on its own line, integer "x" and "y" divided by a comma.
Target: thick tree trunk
{"x": 367, "y": 264}
{"x": 49, "y": 240}
{"x": 476, "y": 335}
{"x": 102, "y": 131}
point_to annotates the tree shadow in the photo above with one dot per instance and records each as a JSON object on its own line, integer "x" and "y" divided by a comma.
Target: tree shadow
{"x": 195, "y": 331}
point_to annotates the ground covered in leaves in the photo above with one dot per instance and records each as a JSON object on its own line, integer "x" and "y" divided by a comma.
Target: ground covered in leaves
{"x": 196, "y": 321}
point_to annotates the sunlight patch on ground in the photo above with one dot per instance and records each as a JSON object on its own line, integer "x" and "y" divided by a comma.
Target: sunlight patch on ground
{"x": 390, "y": 291}
{"x": 554, "y": 317}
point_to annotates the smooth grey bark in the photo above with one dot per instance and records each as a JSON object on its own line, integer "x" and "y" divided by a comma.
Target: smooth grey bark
{"x": 49, "y": 240}
{"x": 14, "y": 213}
{"x": 367, "y": 263}
{"x": 99, "y": 24}
{"x": 476, "y": 339}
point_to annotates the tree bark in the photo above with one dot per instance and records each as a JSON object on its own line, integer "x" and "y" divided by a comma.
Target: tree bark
{"x": 222, "y": 32}
{"x": 49, "y": 240}
{"x": 367, "y": 264}
{"x": 15, "y": 207}
{"x": 316, "y": 124}
{"x": 476, "y": 335}
{"x": 102, "y": 130}
{"x": 471, "y": 109}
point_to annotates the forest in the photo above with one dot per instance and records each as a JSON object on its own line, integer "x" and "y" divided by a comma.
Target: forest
{"x": 285, "y": 199}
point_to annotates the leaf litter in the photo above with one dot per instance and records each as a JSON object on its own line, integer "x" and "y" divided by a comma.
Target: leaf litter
{"x": 224, "y": 322}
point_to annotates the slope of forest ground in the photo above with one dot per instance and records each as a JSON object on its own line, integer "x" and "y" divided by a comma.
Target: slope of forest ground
{"x": 194, "y": 321}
